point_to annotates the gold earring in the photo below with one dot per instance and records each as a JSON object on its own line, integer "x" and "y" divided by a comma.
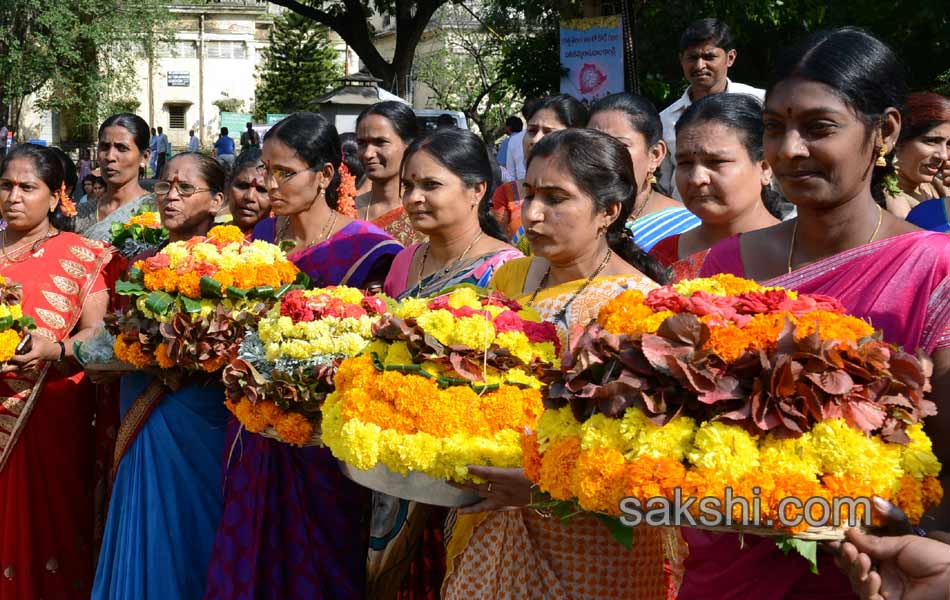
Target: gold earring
{"x": 651, "y": 179}
{"x": 881, "y": 161}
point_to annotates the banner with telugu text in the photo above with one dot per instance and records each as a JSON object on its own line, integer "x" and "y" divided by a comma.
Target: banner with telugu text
{"x": 592, "y": 57}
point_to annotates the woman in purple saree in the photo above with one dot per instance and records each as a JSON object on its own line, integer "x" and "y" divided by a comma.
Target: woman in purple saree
{"x": 293, "y": 526}
{"x": 830, "y": 123}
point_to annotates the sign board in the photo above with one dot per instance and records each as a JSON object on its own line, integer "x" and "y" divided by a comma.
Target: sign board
{"x": 592, "y": 57}
{"x": 179, "y": 78}
{"x": 274, "y": 118}
{"x": 235, "y": 122}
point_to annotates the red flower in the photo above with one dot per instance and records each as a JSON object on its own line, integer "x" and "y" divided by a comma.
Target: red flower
{"x": 498, "y": 299}
{"x": 807, "y": 303}
{"x": 761, "y": 302}
{"x": 204, "y": 268}
{"x": 702, "y": 303}
{"x": 374, "y": 305}
{"x": 353, "y": 311}
{"x": 509, "y": 321}
{"x": 468, "y": 311}
{"x": 440, "y": 303}
{"x": 295, "y": 305}
{"x": 665, "y": 298}
{"x": 159, "y": 261}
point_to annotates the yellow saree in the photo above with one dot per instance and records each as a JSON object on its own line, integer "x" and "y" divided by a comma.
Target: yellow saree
{"x": 519, "y": 554}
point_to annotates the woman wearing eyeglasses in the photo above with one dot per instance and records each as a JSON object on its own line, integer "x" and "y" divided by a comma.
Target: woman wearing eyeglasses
{"x": 166, "y": 500}
{"x": 293, "y": 527}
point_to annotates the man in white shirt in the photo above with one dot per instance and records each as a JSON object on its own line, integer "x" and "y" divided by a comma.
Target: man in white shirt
{"x": 706, "y": 53}
{"x": 193, "y": 144}
{"x": 514, "y": 161}
{"x": 161, "y": 148}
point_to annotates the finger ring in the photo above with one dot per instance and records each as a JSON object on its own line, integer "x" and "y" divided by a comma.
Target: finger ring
{"x": 489, "y": 487}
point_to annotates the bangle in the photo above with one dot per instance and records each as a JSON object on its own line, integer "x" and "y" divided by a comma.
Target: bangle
{"x": 62, "y": 351}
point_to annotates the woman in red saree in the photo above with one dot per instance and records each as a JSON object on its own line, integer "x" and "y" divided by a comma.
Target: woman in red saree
{"x": 830, "y": 122}
{"x": 46, "y": 406}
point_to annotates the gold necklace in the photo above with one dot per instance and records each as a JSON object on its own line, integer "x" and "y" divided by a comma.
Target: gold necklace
{"x": 281, "y": 235}
{"x": 791, "y": 245}
{"x": 562, "y": 313}
{"x": 17, "y": 250}
{"x": 425, "y": 255}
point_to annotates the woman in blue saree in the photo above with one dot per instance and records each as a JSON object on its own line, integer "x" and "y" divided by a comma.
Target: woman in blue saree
{"x": 166, "y": 500}
{"x": 293, "y": 526}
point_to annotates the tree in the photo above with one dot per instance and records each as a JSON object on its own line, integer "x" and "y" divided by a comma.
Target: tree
{"x": 464, "y": 72}
{"x": 296, "y": 67}
{"x": 348, "y": 18}
{"x": 228, "y": 104}
{"x": 75, "y": 55}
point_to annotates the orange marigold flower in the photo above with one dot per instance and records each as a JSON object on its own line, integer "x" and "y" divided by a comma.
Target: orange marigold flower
{"x": 287, "y": 271}
{"x": 623, "y": 314}
{"x": 250, "y": 416}
{"x": 910, "y": 498}
{"x": 933, "y": 492}
{"x": 832, "y": 326}
{"x": 267, "y": 275}
{"x": 598, "y": 480}
{"x": 225, "y": 278}
{"x": 294, "y": 428}
{"x": 532, "y": 458}
{"x": 162, "y": 357}
{"x": 213, "y": 364}
{"x": 557, "y": 468}
{"x": 189, "y": 284}
{"x": 164, "y": 279}
{"x": 223, "y": 235}
{"x": 131, "y": 353}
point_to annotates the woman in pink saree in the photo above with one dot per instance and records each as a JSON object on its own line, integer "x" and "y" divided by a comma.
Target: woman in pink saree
{"x": 831, "y": 119}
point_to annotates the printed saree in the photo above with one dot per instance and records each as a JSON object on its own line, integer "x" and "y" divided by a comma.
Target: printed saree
{"x": 293, "y": 526}
{"x": 902, "y": 286}
{"x": 518, "y": 554}
{"x": 407, "y": 549}
{"x": 397, "y": 224}
{"x": 47, "y": 466}
{"x": 506, "y": 208}
{"x": 667, "y": 252}
{"x": 650, "y": 229}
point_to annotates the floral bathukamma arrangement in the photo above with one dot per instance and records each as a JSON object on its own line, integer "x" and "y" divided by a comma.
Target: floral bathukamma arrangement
{"x": 192, "y": 302}
{"x": 285, "y": 367}
{"x": 14, "y": 325}
{"x": 721, "y": 383}
{"x": 447, "y": 382}
{"x": 143, "y": 232}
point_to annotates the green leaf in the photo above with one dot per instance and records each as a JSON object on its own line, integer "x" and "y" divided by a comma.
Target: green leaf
{"x": 136, "y": 275}
{"x": 129, "y": 288}
{"x": 159, "y": 302}
{"x": 27, "y": 322}
{"x": 210, "y": 287}
{"x": 236, "y": 293}
{"x": 116, "y": 229}
{"x": 279, "y": 293}
{"x": 190, "y": 305}
{"x": 808, "y": 549}
{"x": 302, "y": 279}
{"x": 262, "y": 291}
{"x": 619, "y": 531}
{"x": 6, "y": 323}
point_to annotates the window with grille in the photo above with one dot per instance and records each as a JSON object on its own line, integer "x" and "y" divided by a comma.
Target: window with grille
{"x": 226, "y": 49}
{"x": 176, "y": 116}
{"x": 179, "y": 49}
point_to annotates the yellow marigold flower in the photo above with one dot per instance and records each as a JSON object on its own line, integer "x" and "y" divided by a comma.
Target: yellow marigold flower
{"x": 438, "y": 323}
{"x": 600, "y": 431}
{"x": 161, "y": 356}
{"x": 642, "y": 437}
{"x": 397, "y": 354}
{"x": 9, "y": 340}
{"x": 473, "y": 332}
{"x": 725, "y": 448}
{"x": 518, "y": 344}
{"x": 917, "y": 457}
{"x": 226, "y": 234}
{"x": 556, "y": 424}
{"x": 465, "y": 296}
{"x": 790, "y": 456}
{"x": 294, "y": 428}
{"x": 410, "y": 308}
{"x": 557, "y": 468}
{"x": 848, "y": 452}
{"x": 146, "y": 219}
{"x": 598, "y": 480}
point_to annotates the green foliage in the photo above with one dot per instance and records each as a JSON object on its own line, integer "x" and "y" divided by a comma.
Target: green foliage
{"x": 298, "y": 66}
{"x": 76, "y": 55}
{"x": 228, "y": 104}
{"x": 762, "y": 29}
{"x": 464, "y": 72}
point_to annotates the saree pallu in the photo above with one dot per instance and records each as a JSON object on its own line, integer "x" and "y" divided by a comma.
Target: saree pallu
{"x": 102, "y": 230}
{"x": 932, "y": 214}
{"x": 407, "y": 550}
{"x": 517, "y": 554}
{"x": 47, "y": 473}
{"x": 506, "y": 208}
{"x": 650, "y": 229}
{"x": 902, "y": 286}
{"x": 293, "y": 526}
{"x": 166, "y": 499}
{"x": 667, "y": 252}
{"x": 397, "y": 224}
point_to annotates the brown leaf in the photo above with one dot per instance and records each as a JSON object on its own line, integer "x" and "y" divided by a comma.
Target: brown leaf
{"x": 835, "y": 382}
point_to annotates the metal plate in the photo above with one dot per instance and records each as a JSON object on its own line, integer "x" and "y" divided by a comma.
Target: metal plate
{"x": 416, "y": 486}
